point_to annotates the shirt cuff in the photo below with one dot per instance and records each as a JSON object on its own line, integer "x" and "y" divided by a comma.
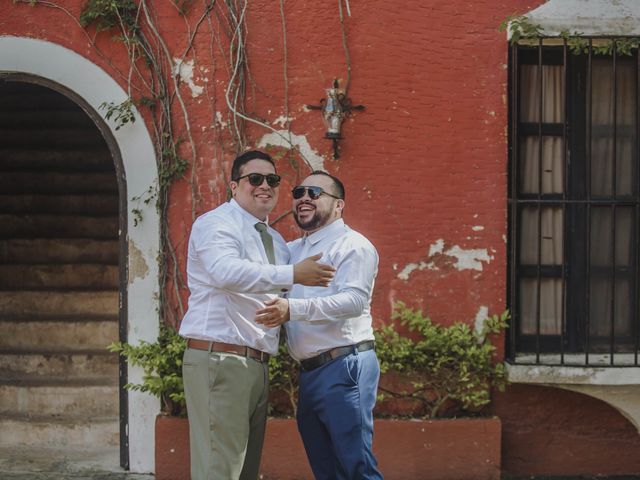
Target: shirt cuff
{"x": 284, "y": 277}
{"x": 297, "y": 309}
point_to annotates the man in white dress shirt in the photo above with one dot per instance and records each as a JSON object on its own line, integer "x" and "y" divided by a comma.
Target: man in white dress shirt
{"x": 329, "y": 331}
{"x": 236, "y": 262}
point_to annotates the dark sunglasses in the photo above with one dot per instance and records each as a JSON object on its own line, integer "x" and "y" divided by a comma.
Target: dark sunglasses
{"x": 314, "y": 192}
{"x": 256, "y": 179}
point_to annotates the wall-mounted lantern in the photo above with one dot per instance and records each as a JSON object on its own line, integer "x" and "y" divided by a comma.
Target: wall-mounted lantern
{"x": 335, "y": 108}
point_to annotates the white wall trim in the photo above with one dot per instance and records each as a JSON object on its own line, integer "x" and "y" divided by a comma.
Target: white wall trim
{"x": 95, "y": 86}
{"x": 589, "y": 17}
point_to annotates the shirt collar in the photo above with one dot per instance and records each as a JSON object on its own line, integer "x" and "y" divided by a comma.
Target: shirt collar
{"x": 327, "y": 231}
{"x": 247, "y": 215}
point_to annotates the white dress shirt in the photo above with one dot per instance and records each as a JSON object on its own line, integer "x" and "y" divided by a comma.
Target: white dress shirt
{"x": 322, "y": 318}
{"x": 230, "y": 278}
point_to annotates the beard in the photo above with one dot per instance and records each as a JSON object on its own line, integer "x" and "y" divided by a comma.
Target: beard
{"x": 319, "y": 219}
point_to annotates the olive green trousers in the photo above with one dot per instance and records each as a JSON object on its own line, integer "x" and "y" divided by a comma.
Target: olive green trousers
{"x": 227, "y": 399}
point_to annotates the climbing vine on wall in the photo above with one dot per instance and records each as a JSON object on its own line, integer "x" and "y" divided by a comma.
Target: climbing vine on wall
{"x": 152, "y": 84}
{"x": 152, "y": 79}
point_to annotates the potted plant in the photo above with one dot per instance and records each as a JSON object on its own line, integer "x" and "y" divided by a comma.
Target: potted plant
{"x": 444, "y": 371}
{"x": 433, "y": 373}
{"x": 435, "y": 382}
{"x": 161, "y": 362}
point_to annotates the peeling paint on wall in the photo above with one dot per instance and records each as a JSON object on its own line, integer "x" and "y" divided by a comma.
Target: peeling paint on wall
{"x": 436, "y": 248}
{"x": 184, "y": 70}
{"x": 406, "y": 271}
{"x": 481, "y": 317}
{"x": 457, "y": 257}
{"x": 281, "y": 121}
{"x": 220, "y": 121}
{"x": 281, "y": 139}
{"x": 138, "y": 267}
{"x": 469, "y": 259}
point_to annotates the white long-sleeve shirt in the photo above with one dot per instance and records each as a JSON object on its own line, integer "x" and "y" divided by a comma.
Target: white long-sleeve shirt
{"x": 230, "y": 278}
{"x": 322, "y": 318}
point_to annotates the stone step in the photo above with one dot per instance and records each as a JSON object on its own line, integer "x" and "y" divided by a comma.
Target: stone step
{"x": 46, "y": 118}
{"x": 21, "y": 365}
{"x": 52, "y": 137}
{"x": 58, "y": 183}
{"x": 45, "y": 304}
{"x": 73, "y": 276}
{"x": 65, "y": 398}
{"x": 58, "y": 226}
{"x": 38, "y": 99}
{"x": 58, "y": 333}
{"x": 75, "y": 159}
{"x": 106, "y": 204}
{"x": 56, "y": 250}
{"x": 51, "y": 463}
{"x": 52, "y": 431}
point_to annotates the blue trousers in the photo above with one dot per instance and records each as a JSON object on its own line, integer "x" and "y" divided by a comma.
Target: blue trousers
{"x": 335, "y": 417}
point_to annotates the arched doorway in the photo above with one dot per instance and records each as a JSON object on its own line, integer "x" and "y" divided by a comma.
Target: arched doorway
{"x": 59, "y": 279}
{"x": 132, "y": 170}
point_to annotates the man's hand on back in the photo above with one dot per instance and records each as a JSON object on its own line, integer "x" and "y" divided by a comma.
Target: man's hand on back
{"x": 311, "y": 273}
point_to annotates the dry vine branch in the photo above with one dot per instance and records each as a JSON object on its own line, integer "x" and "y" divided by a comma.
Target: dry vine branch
{"x": 347, "y": 57}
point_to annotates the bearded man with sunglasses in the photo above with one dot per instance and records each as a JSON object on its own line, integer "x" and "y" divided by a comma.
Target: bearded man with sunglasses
{"x": 236, "y": 262}
{"x": 329, "y": 332}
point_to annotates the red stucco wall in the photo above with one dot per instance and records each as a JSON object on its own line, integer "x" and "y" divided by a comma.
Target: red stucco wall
{"x": 549, "y": 431}
{"x": 425, "y": 165}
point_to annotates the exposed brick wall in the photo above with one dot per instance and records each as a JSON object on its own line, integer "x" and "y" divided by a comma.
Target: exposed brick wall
{"x": 425, "y": 165}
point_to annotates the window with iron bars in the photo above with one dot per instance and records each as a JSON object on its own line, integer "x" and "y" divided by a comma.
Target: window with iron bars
{"x": 574, "y": 205}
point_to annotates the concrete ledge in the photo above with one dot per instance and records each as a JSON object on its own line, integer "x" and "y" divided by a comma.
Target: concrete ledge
{"x": 590, "y": 17}
{"x": 573, "y": 375}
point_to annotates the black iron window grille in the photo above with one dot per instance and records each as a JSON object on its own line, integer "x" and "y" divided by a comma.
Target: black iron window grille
{"x": 574, "y": 205}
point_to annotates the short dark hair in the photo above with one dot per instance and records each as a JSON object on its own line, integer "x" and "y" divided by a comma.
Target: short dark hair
{"x": 336, "y": 182}
{"x": 245, "y": 158}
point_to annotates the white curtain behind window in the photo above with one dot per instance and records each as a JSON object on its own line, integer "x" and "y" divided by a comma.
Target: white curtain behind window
{"x": 602, "y": 220}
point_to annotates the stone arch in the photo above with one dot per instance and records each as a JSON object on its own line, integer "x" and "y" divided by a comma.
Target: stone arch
{"x": 132, "y": 148}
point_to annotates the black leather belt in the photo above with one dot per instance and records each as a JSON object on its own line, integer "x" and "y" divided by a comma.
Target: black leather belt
{"x": 325, "y": 357}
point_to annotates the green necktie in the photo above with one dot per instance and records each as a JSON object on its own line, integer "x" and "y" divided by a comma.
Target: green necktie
{"x": 267, "y": 241}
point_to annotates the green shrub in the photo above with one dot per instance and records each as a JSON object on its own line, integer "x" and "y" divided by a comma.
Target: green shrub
{"x": 284, "y": 372}
{"x": 161, "y": 362}
{"x": 106, "y": 14}
{"x": 446, "y": 370}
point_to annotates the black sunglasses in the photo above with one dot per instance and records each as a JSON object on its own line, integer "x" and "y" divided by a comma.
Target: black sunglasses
{"x": 314, "y": 192}
{"x": 256, "y": 179}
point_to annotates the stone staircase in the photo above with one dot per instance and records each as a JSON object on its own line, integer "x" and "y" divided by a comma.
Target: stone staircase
{"x": 59, "y": 276}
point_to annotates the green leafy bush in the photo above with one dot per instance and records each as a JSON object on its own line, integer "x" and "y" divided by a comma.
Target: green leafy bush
{"x": 161, "y": 362}
{"x": 284, "y": 372}
{"x": 445, "y": 370}
{"x": 106, "y": 14}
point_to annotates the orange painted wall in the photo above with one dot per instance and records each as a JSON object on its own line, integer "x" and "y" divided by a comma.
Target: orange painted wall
{"x": 425, "y": 165}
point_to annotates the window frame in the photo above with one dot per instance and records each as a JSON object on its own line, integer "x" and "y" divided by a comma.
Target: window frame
{"x": 574, "y": 274}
